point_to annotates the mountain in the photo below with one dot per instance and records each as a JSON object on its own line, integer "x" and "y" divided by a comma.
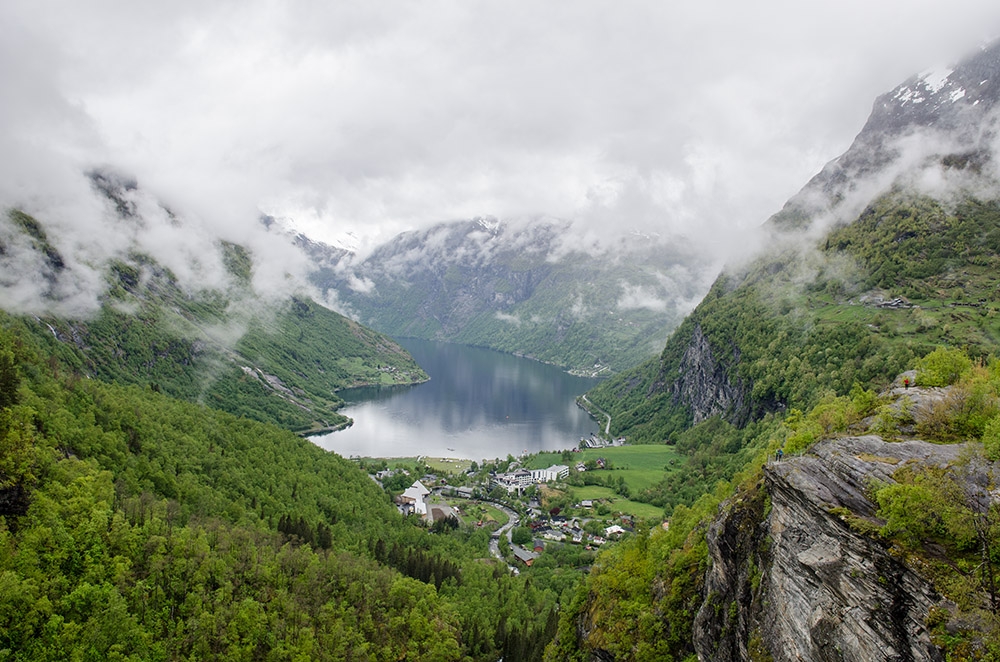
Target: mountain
{"x": 535, "y": 289}
{"x": 909, "y": 212}
{"x": 209, "y": 337}
{"x": 943, "y": 118}
{"x": 852, "y": 548}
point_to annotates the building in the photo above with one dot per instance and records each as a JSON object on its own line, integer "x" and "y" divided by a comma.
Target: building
{"x": 555, "y": 472}
{"x": 514, "y": 481}
{"x": 524, "y": 556}
{"x": 413, "y": 499}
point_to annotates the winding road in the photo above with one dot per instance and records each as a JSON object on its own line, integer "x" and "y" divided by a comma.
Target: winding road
{"x": 512, "y": 520}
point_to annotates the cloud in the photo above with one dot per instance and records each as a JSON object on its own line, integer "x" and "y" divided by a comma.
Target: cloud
{"x": 367, "y": 119}
{"x": 510, "y": 319}
{"x": 362, "y": 285}
{"x": 637, "y": 296}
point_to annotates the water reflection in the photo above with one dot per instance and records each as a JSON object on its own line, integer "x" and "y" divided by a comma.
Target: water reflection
{"x": 478, "y": 404}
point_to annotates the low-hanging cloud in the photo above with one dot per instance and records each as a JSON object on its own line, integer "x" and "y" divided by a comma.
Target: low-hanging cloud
{"x": 364, "y": 120}
{"x": 637, "y": 296}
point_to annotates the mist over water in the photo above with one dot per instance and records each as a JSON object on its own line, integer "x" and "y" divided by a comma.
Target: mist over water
{"x": 478, "y": 404}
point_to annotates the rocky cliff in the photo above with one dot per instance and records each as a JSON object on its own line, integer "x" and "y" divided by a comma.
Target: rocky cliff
{"x": 704, "y": 384}
{"x": 791, "y": 579}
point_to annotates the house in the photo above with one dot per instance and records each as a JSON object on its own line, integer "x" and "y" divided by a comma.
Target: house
{"x": 613, "y": 530}
{"x": 586, "y": 503}
{"x": 413, "y": 499}
{"x": 524, "y": 556}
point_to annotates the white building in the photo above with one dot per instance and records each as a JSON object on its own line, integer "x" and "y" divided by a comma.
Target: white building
{"x": 514, "y": 481}
{"x": 555, "y": 472}
{"x": 414, "y": 497}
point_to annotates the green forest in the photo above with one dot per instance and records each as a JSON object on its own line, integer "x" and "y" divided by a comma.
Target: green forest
{"x": 137, "y": 526}
{"x": 146, "y": 513}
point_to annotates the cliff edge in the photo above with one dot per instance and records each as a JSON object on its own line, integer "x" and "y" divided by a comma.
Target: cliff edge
{"x": 791, "y": 579}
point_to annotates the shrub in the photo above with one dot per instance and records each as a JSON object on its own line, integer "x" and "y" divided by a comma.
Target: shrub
{"x": 991, "y": 438}
{"x": 942, "y": 367}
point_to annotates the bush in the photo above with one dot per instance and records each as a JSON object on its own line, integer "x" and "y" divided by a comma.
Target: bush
{"x": 942, "y": 367}
{"x": 991, "y": 438}
{"x": 966, "y": 409}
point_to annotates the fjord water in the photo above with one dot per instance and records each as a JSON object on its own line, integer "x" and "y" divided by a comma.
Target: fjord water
{"x": 478, "y": 404}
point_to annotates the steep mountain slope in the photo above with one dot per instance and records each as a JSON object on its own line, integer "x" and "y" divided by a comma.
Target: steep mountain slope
{"x": 879, "y": 223}
{"x": 272, "y": 358}
{"x": 535, "y": 290}
{"x": 890, "y": 251}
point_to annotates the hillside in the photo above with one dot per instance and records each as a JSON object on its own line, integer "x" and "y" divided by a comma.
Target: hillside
{"x": 889, "y": 252}
{"x": 909, "y": 212}
{"x": 278, "y": 359}
{"x": 535, "y": 290}
{"x": 134, "y": 526}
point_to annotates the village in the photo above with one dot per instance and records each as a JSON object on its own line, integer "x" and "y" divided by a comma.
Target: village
{"x": 514, "y": 497}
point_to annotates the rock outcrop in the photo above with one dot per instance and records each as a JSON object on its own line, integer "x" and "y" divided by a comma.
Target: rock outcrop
{"x": 704, "y": 384}
{"x": 799, "y": 583}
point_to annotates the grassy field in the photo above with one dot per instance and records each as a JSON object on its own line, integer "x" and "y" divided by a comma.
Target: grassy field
{"x": 641, "y": 466}
{"x": 473, "y": 512}
{"x": 617, "y": 503}
{"x": 442, "y": 465}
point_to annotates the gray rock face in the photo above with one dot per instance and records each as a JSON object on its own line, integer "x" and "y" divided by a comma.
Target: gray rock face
{"x": 704, "y": 384}
{"x": 800, "y": 584}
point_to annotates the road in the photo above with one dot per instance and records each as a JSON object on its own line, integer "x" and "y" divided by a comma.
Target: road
{"x": 508, "y": 529}
{"x": 513, "y": 519}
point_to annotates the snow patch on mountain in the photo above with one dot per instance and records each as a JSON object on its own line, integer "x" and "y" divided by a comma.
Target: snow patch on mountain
{"x": 935, "y": 79}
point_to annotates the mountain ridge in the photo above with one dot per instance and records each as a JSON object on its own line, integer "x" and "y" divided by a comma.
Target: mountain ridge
{"x": 208, "y": 335}
{"x": 533, "y": 290}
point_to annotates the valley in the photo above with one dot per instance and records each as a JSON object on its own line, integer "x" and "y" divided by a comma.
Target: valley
{"x": 796, "y": 457}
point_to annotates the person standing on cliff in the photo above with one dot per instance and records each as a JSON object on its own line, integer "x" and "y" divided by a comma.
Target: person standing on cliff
{"x": 779, "y": 454}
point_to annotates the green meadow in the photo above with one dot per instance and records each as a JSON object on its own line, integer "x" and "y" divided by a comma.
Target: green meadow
{"x": 641, "y": 466}
{"x": 617, "y": 503}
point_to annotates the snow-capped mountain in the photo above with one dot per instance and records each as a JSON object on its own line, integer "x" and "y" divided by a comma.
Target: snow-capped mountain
{"x": 942, "y": 119}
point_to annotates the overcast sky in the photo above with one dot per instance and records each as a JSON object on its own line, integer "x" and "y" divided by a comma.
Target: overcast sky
{"x": 698, "y": 118}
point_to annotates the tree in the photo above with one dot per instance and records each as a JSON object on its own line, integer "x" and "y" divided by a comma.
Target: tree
{"x": 951, "y": 506}
{"x": 521, "y": 535}
{"x": 9, "y": 379}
